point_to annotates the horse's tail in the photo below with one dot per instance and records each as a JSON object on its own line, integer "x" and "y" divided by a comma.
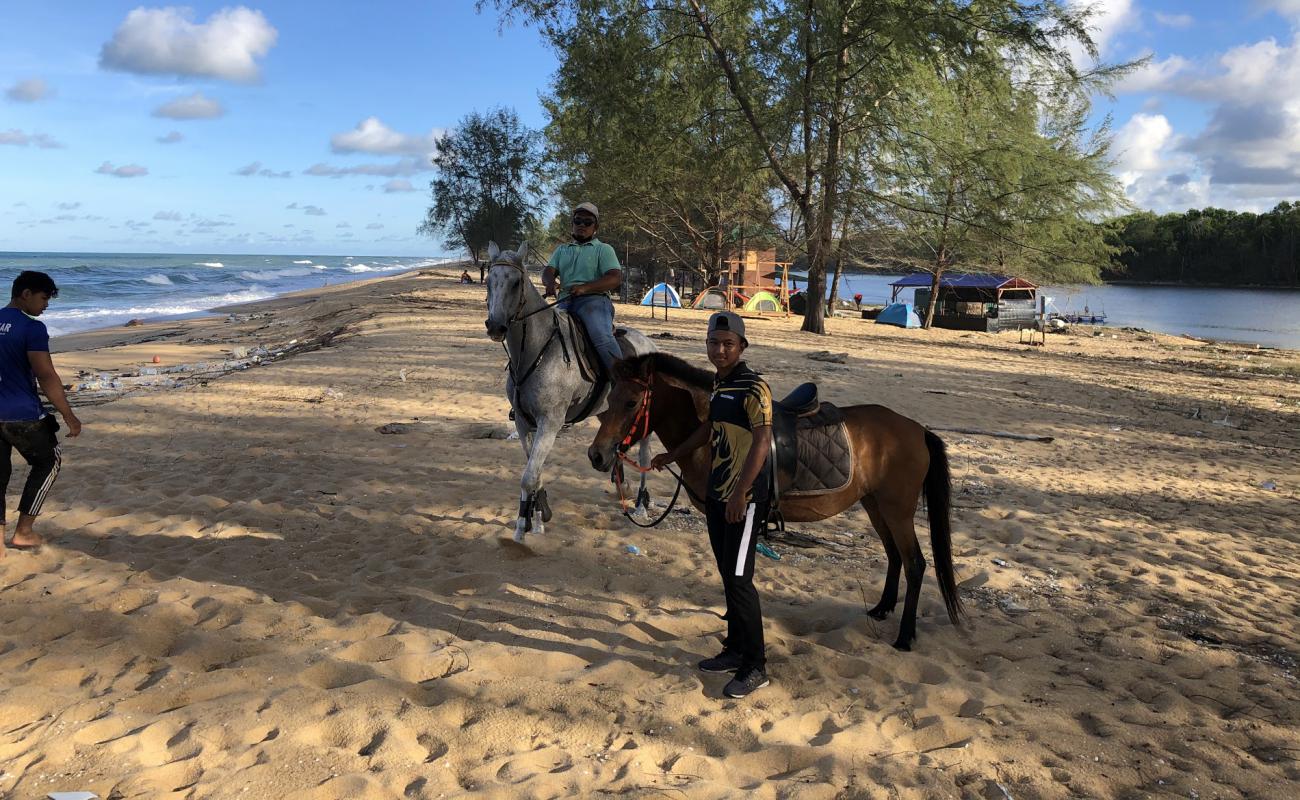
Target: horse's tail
{"x": 938, "y": 489}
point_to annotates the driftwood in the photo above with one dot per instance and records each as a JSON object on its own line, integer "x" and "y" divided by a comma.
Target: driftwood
{"x": 1027, "y": 437}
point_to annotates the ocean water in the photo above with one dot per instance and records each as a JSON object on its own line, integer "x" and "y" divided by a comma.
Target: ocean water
{"x": 1267, "y": 317}
{"x": 103, "y": 289}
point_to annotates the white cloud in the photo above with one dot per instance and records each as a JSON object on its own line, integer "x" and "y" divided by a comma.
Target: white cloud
{"x": 398, "y": 185}
{"x": 168, "y": 216}
{"x": 1154, "y": 169}
{"x": 249, "y": 169}
{"x": 193, "y": 106}
{"x": 171, "y": 138}
{"x": 18, "y": 138}
{"x": 1107, "y": 19}
{"x": 124, "y": 171}
{"x": 1154, "y": 76}
{"x": 165, "y": 41}
{"x": 375, "y": 226}
{"x": 405, "y": 168}
{"x": 68, "y": 206}
{"x": 313, "y": 211}
{"x": 1287, "y": 8}
{"x": 373, "y": 136}
{"x": 256, "y": 168}
{"x": 1175, "y": 20}
{"x": 28, "y": 91}
{"x": 344, "y": 225}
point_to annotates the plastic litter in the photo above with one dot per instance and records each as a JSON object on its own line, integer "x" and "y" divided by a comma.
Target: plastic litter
{"x": 1269, "y": 486}
{"x": 767, "y": 551}
{"x": 633, "y": 550}
{"x": 72, "y": 796}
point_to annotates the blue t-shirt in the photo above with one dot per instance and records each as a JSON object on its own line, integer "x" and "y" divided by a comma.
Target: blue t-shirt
{"x": 20, "y": 335}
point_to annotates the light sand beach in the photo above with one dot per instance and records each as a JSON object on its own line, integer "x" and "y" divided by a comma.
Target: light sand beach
{"x": 250, "y": 592}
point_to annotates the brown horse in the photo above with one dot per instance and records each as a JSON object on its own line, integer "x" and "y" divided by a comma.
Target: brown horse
{"x": 895, "y": 460}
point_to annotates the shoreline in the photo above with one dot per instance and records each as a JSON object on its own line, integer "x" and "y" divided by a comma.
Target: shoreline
{"x": 297, "y": 579}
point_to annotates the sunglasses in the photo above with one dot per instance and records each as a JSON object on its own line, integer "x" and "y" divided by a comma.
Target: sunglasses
{"x": 584, "y": 221}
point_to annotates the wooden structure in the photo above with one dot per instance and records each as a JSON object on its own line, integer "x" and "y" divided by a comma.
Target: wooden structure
{"x": 970, "y": 302}
{"x": 757, "y": 271}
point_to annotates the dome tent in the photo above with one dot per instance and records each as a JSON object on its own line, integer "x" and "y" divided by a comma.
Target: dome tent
{"x": 763, "y": 301}
{"x": 663, "y": 296}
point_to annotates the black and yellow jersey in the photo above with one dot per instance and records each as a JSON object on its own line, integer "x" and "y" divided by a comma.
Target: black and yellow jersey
{"x": 740, "y": 402}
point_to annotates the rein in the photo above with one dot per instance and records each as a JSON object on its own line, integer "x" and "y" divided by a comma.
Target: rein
{"x": 520, "y": 317}
{"x": 642, "y": 419}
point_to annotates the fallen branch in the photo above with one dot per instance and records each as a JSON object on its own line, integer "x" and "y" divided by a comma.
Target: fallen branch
{"x": 1027, "y": 437}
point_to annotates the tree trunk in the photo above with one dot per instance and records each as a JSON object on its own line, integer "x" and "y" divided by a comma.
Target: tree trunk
{"x": 833, "y": 299}
{"x": 934, "y": 292}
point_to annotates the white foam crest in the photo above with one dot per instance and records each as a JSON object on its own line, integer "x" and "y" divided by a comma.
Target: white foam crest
{"x": 158, "y": 279}
{"x": 272, "y": 274}
{"x": 80, "y": 319}
{"x": 307, "y": 261}
{"x": 358, "y": 268}
{"x": 208, "y": 264}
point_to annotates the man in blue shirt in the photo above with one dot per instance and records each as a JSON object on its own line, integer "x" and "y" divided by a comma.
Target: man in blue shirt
{"x": 583, "y": 272}
{"x": 24, "y": 424}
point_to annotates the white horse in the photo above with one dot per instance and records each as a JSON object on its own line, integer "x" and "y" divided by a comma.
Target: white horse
{"x": 555, "y": 378}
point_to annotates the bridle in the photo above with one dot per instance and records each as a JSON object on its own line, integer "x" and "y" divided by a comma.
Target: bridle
{"x": 642, "y": 420}
{"x": 518, "y": 316}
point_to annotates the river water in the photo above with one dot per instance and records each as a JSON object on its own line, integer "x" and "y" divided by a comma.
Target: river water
{"x": 1268, "y": 317}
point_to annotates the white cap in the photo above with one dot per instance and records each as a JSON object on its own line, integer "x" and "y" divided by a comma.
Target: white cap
{"x": 588, "y": 207}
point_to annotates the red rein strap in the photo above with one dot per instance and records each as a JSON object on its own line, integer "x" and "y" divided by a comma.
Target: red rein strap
{"x": 642, "y": 419}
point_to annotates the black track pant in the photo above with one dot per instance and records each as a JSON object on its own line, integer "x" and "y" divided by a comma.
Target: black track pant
{"x": 36, "y": 442}
{"x": 733, "y": 547}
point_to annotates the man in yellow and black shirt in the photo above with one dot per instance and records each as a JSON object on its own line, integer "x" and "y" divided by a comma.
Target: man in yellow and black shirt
{"x": 739, "y": 430}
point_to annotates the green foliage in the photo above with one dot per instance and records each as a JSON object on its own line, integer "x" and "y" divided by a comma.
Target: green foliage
{"x": 487, "y": 186}
{"x": 1209, "y": 246}
{"x": 815, "y": 91}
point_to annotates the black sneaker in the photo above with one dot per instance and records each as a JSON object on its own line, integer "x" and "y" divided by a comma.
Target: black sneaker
{"x": 746, "y": 682}
{"x": 726, "y": 661}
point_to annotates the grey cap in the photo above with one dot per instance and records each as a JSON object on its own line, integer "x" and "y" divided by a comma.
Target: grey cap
{"x": 727, "y": 321}
{"x": 590, "y": 208}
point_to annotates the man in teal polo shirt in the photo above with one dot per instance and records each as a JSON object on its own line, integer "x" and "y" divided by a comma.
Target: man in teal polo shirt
{"x": 583, "y": 272}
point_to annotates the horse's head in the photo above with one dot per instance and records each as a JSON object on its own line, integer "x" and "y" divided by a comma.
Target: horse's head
{"x": 505, "y": 288}
{"x": 625, "y": 420}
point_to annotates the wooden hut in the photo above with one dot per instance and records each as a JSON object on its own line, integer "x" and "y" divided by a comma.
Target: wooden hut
{"x": 970, "y": 302}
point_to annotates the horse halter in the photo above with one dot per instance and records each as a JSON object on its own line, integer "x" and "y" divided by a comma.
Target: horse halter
{"x": 642, "y": 417}
{"x": 518, "y": 315}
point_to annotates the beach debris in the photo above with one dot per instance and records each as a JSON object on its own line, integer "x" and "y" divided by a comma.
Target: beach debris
{"x": 131, "y": 323}
{"x": 999, "y": 562}
{"x": 401, "y": 373}
{"x": 633, "y": 550}
{"x": 829, "y": 357}
{"x": 767, "y": 551}
{"x": 400, "y": 427}
{"x": 663, "y": 335}
{"x": 240, "y": 352}
{"x": 156, "y": 359}
{"x": 72, "y": 796}
{"x": 513, "y": 436}
{"x": 1268, "y": 486}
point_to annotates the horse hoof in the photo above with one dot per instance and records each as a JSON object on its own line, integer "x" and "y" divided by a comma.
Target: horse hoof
{"x": 543, "y": 505}
{"x": 903, "y": 645}
{"x": 519, "y": 536}
{"x": 878, "y": 613}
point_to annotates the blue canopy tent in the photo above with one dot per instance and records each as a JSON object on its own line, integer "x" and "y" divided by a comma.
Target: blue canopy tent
{"x": 662, "y": 295}
{"x": 900, "y": 314}
{"x": 974, "y": 302}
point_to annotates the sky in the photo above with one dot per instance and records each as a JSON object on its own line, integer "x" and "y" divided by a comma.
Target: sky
{"x": 307, "y": 128}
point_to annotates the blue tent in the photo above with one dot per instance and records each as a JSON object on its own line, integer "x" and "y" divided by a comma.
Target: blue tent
{"x": 900, "y": 314}
{"x": 662, "y": 295}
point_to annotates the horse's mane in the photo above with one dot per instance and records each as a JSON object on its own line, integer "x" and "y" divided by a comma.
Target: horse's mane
{"x": 669, "y": 365}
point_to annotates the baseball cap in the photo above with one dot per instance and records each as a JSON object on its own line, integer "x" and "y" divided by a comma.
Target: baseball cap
{"x": 590, "y": 208}
{"x": 727, "y": 321}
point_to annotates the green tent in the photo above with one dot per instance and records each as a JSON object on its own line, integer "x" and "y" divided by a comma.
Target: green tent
{"x": 764, "y": 301}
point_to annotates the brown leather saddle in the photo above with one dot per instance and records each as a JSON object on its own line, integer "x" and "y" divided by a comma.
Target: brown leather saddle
{"x": 810, "y": 451}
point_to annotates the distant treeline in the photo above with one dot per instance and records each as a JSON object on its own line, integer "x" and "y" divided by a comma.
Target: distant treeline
{"x": 1209, "y": 246}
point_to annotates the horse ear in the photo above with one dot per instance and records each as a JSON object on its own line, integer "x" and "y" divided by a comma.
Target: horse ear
{"x": 523, "y": 253}
{"x": 493, "y": 251}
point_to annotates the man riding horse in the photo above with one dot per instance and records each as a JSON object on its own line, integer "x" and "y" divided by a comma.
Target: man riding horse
{"x": 584, "y": 271}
